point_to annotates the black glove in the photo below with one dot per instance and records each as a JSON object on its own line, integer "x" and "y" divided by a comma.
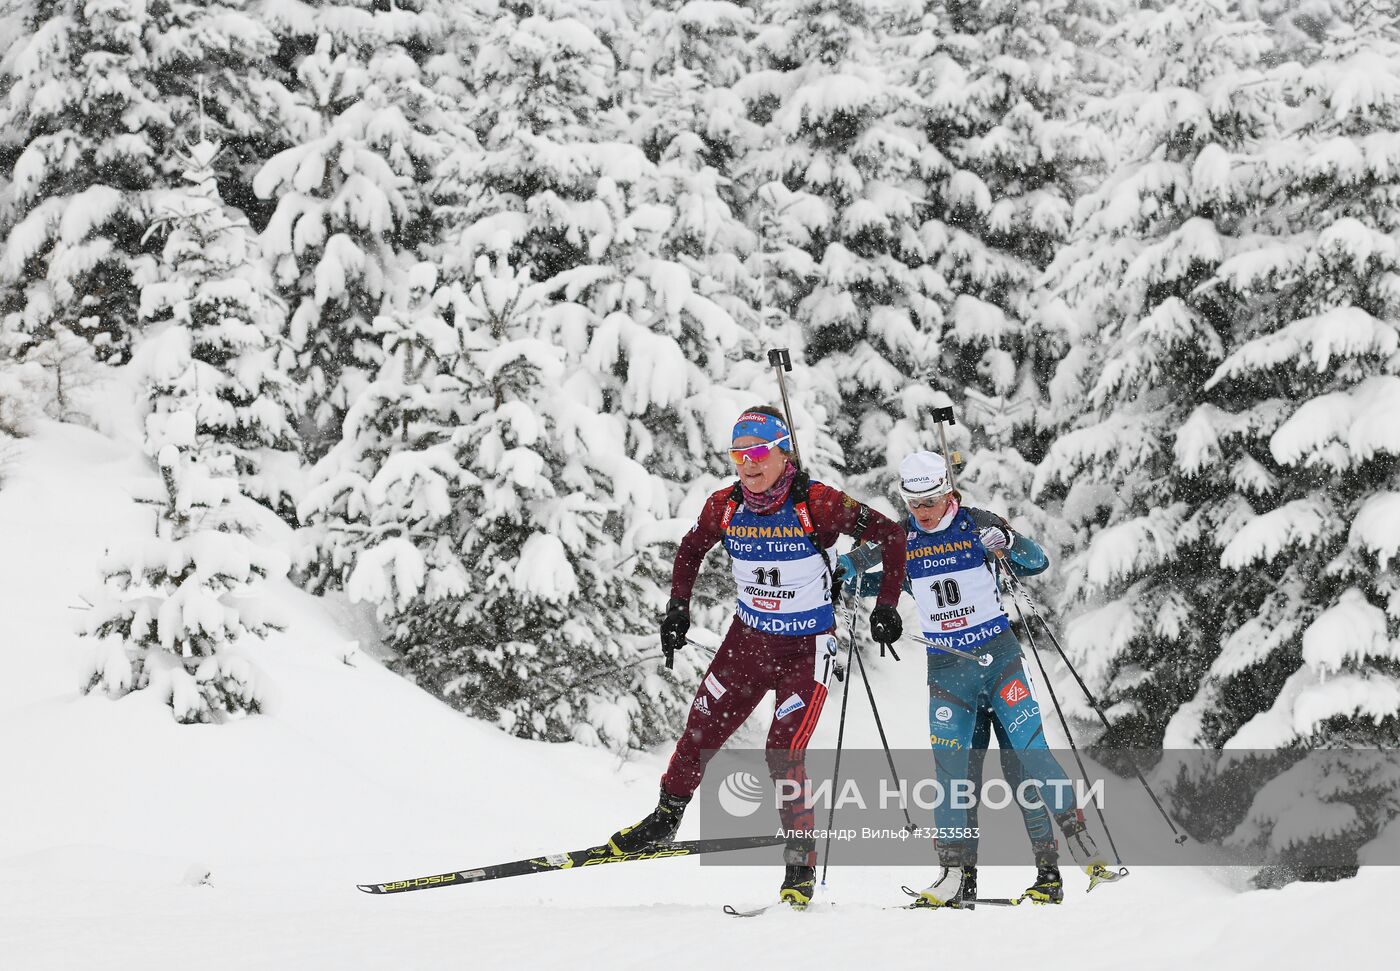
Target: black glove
{"x": 674, "y": 627}
{"x": 885, "y": 625}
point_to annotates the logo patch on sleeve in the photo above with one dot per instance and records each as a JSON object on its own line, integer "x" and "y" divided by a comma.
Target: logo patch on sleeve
{"x": 788, "y": 707}
{"x": 714, "y": 687}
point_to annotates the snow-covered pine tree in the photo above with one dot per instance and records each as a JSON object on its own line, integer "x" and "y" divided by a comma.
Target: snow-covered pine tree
{"x": 681, "y": 293}
{"x": 386, "y": 489}
{"x": 689, "y": 49}
{"x": 554, "y": 180}
{"x": 83, "y": 126}
{"x": 11, "y": 144}
{"x": 838, "y": 193}
{"x": 351, "y": 202}
{"x": 1001, "y": 82}
{"x": 694, "y": 128}
{"x": 94, "y": 94}
{"x": 636, "y": 251}
{"x": 494, "y": 541}
{"x": 212, "y": 284}
{"x": 1307, "y": 400}
{"x": 540, "y": 104}
{"x": 216, "y": 65}
{"x": 682, "y": 107}
{"x": 1299, "y": 26}
{"x": 1148, "y": 598}
{"x": 175, "y": 606}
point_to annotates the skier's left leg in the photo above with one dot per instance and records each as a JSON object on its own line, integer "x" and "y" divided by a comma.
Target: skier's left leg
{"x": 802, "y": 676}
{"x": 1034, "y": 814}
{"x": 1016, "y": 708}
{"x": 1017, "y": 712}
{"x": 1048, "y": 887}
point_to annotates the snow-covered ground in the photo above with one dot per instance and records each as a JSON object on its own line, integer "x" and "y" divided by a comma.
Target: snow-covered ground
{"x": 111, "y": 815}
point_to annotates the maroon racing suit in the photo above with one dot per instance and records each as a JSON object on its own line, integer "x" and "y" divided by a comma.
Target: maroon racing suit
{"x": 750, "y": 661}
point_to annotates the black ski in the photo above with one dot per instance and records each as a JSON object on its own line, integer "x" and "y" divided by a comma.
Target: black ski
{"x": 963, "y": 903}
{"x": 593, "y": 856}
{"x": 780, "y": 905}
{"x": 968, "y": 904}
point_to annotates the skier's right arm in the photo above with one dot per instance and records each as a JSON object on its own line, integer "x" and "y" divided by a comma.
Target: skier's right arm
{"x": 706, "y": 532}
{"x": 866, "y": 557}
{"x": 695, "y": 544}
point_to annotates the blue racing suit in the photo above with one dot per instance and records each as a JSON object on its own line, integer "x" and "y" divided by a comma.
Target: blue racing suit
{"x": 951, "y": 576}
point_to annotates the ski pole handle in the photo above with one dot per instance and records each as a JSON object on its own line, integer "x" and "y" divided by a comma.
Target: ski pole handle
{"x": 944, "y": 417}
{"x": 781, "y": 362}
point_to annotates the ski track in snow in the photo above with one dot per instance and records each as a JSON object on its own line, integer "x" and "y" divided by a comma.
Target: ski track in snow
{"x": 113, "y": 814}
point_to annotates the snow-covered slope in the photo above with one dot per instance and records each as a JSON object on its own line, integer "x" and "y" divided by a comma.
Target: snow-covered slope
{"x": 112, "y": 815}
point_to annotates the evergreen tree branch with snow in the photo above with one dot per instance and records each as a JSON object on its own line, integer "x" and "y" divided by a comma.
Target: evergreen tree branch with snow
{"x": 212, "y": 285}
{"x": 1313, "y": 385}
{"x": 1149, "y": 598}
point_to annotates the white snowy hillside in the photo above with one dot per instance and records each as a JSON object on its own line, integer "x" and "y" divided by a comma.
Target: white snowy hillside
{"x": 128, "y": 841}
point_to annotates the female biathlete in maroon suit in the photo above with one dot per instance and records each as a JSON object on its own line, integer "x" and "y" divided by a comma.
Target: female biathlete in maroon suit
{"x": 776, "y": 526}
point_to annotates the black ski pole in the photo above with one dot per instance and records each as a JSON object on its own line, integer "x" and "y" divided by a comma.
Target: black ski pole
{"x": 854, "y": 652}
{"x": 696, "y": 644}
{"x": 1020, "y": 591}
{"x": 840, "y": 742}
{"x": 875, "y": 710}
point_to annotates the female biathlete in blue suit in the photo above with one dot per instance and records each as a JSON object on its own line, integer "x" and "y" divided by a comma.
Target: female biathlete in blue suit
{"x": 953, "y": 581}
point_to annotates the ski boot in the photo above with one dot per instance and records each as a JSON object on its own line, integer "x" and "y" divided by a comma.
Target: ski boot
{"x": 800, "y": 880}
{"x": 799, "y": 885}
{"x": 1048, "y": 888}
{"x": 1084, "y": 850}
{"x": 658, "y": 827}
{"x": 969, "y": 884}
{"x": 947, "y": 891}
